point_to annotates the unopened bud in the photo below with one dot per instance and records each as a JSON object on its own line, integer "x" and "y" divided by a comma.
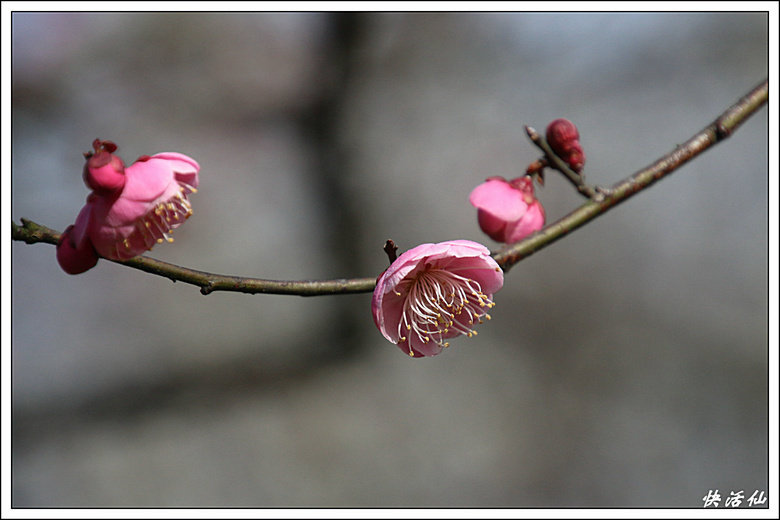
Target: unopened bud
{"x": 104, "y": 172}
{"x": 507, "y": 211}
{"x": 74, "y": 257}
{"x": 563, "y": 137}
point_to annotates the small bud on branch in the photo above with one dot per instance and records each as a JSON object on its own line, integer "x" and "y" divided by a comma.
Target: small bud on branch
{"x": 391, "y": 250}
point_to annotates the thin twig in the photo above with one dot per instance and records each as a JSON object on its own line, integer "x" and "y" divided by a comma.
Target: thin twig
{"x": 552, "y": 160}
{"x": 392, "y": 250}
{"x": 600, "y": 202}
{"x": 720, "y": 129}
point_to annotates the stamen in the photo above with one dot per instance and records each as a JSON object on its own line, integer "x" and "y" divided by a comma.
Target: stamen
{"x": 186, "y": 188}
{"x": 440, "y": 304}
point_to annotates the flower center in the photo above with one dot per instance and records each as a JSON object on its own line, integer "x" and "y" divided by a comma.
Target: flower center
{"x": 441, "y": 304}
{"x": 153, "y": 228}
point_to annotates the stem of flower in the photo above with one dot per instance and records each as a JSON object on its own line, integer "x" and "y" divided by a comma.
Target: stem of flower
{"x": 600, "y": 201}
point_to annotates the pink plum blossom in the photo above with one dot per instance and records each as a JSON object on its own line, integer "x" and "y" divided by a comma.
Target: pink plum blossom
{"x": 434, "y": 292}
{"x": 130, "y": 208}
{"x": 508, "y": 211}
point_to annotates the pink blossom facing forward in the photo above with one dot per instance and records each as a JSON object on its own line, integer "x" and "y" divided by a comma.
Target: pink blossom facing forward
{"x": 507, "y": 211}
{"x": 435, "y": 292}
{"x": 131, "y": 208}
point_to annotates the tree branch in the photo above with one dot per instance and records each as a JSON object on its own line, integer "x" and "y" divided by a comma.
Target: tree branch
{"x": 600, "y": 202}
{"x": 603, "y": 200}
{"x": 33, "y": 233}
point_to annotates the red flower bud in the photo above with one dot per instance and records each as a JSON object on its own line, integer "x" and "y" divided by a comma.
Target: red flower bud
{"x": 73, "y": 256}
{"x": 104, "y": 172}
{"x": 563, "y": 137}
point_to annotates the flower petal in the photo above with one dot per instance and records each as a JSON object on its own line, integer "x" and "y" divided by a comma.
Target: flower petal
{"x": 81, "y": 228}
{"x": 148, "y": 180}
{"x": 500, "y": 199}
{"x": 531, "y": 222}
{"x": 185, "y": 168}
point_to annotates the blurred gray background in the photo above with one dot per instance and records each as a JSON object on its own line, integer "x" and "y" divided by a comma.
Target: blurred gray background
{"x": 625, "y": 365}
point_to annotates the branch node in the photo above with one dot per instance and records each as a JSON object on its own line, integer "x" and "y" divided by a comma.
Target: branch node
{"x": 721, "y": 131}
{"x": 391, "y": 249}
{"x": 603, "y": 193}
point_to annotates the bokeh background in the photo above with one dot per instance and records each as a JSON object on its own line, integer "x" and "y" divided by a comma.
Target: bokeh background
{"x": 625, "y": 365}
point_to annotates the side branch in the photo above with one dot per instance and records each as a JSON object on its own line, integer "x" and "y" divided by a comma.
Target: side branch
{"x": 601, "y": 200}
{"x": 551, "y": 159}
